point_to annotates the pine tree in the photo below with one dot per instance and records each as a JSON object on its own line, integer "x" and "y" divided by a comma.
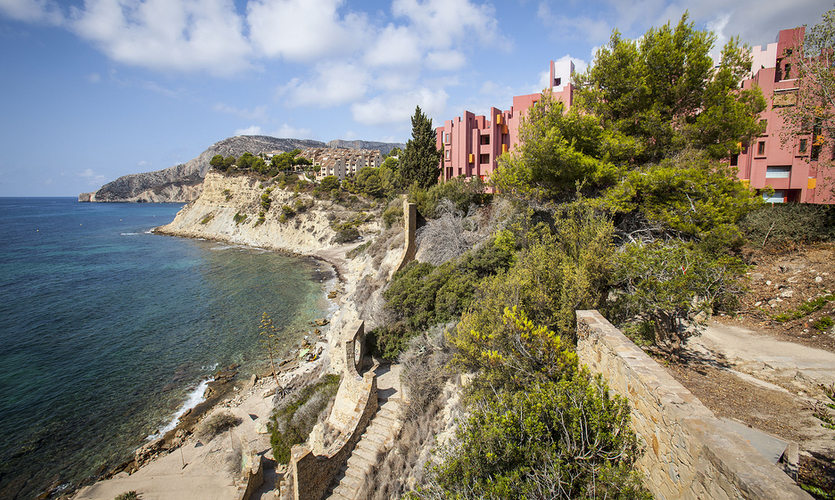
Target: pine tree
{"x": 420, "y": 163}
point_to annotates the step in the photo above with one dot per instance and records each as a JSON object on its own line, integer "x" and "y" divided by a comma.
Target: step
{"x": 360, "y": 464}
{"x": 337, "y": 496}
{"x": 369, "y": 454}
{"x": 350, "y": 482}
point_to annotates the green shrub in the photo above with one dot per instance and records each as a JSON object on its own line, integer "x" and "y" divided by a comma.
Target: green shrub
{"x": 388, "y": 341}
{"x": 265, "y": 200}
{"x": 207, "y": 219}
{"x": 823, "y": 324}
{"x": 393, "y": 214}
{"x": 261, "y": 218}
{"x": 330, "y": 183}
{"x": 347, "y": 235}
{"x": 215, "y": 424}
{"x": 779, "y": 224}
{"x": 524, "y": 441}
{"x": 296, "y": 415}
{"x": 358, "y": 250}
{"x": 806, "y": 308}
{"x": 239, "y": 217}
{"x": 130, "y": 495}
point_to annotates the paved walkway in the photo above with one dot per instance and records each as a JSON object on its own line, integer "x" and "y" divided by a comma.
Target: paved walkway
{"x": 761, "y": 359}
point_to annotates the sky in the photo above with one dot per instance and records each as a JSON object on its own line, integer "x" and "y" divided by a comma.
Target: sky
{"x": 94, "y": 89}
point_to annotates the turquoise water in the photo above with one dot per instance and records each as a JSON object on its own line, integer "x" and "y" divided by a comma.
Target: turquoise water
{"x": 105, "y": 329}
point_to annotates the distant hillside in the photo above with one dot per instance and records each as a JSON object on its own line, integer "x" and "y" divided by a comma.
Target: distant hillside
{"x": 184, "y": 182}
{"x": 383, "y": 147}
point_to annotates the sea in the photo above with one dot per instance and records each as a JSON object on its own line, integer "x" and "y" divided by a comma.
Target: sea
{"x": 109, "y": 332}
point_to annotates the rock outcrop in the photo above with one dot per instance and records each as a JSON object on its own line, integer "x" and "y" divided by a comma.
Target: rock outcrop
{"x": 184, "y": 182}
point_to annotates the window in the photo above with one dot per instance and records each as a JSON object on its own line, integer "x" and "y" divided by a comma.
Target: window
{"x": 484, "y": 158}
{"x": 447, "y": 154}
{"x": 779, "y": 196}
{"x": 557, "y": 82}
{"x": 734, "y": 160}
{"x": 788, "y": 72}
{"x": 485, "y": 139}
{"x": 804, "y": 143}
{"x": 446, "y": 137}
{"x": 778, "y": 172}
{"x": 761, "y": 148}
{"x": 764, "y": 125}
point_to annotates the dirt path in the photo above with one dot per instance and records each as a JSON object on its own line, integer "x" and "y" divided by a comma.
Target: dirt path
{"x": 764, "y": 382}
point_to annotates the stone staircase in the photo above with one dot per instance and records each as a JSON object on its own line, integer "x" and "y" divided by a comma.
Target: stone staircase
{"x": 350, "y": 482}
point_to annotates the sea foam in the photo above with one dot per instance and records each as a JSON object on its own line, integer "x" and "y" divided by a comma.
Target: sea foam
{"x": 193, "y": 399}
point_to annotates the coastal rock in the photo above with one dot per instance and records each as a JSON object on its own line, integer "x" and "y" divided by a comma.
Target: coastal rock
{"x": 147, "y": 452}
{"x": 216, "y": 216}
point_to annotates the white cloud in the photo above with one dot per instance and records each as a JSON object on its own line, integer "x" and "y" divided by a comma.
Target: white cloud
{"x": 397, "y": 108}
{"x": 91, "y": 178}
{"x": 446, "y": 60}
{"x": 395, "y": 46}
{"x": 142, "y": 163}
{"x": 575, "y": 27}
{"x": 441, "y": 23}
{"x": 333, "y": 84}
{"x": 252, "y": 130}
{"x": 167, "y": 35}
{"x": 259, "y": 113}
{"x": 37, "y": 11}
{"x": 288, "y": 131}
{"x": 94, "y": 78}
{"x": 301, "y": 30}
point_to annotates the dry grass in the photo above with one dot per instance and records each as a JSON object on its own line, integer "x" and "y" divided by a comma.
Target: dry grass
{"x": 215, "y": 424}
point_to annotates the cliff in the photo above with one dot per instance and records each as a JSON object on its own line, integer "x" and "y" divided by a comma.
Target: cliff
{"x": 184, "y": 182}
{"x": 212, "y": 216}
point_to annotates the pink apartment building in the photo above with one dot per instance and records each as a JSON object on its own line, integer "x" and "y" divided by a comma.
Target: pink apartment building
{"x": 793, "y": 166}
{"x": 471, "y": 144}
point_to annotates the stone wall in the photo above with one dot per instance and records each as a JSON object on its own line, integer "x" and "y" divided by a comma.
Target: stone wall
{"x": 410, "y": 223}
{"x": 355, "y": 406}
{"x": 688, "y": 454}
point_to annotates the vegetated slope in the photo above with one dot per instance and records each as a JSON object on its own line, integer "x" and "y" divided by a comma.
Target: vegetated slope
{"x": 183, "y": 182}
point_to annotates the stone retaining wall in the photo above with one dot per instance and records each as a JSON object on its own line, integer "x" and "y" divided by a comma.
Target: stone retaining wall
{"x": 355, "y": 405}
{"x": 410, "y": 226}
{"x": 688, "y": 454}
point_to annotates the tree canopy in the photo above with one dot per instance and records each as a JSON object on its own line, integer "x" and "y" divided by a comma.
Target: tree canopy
{"x": 420, "y": 163}
{"x": 663, "y": 91}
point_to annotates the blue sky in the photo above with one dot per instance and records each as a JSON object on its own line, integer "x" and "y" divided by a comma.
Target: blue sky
{"x": 95, "y": 89}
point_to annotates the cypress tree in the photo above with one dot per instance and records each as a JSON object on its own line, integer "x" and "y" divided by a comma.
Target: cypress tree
{"x": 421, "y": 160}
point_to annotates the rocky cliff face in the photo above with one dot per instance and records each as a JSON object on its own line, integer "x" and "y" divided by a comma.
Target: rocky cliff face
{"x": 213, "y": 216}
{"x": 184, "y": 182}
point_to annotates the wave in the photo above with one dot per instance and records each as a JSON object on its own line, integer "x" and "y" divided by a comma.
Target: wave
{"x": 129, "y": 234}
{"x": 194, "y": 398}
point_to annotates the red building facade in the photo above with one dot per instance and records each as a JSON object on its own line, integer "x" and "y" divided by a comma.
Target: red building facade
{"x": 471, "y": 144}
{"x": 795, "y": 166}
